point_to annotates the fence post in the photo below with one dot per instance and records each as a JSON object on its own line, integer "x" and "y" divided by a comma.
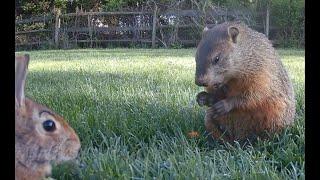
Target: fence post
{"x": 57, "y": 28}
{"x": 267, "y": 19}
{"x": 154, "y": 27}
{"x": 90, "y": 29}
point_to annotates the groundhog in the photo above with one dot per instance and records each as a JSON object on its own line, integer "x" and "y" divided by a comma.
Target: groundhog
{"x": 248, "y": 91}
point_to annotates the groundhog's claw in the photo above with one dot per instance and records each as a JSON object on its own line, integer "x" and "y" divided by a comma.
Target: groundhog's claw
{"x": 220, "y": 108}
{"x": 202, "y": 98}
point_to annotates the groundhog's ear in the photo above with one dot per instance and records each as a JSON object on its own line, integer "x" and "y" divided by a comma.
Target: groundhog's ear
{"x": 233, "y": 32}
{"x": 205, "y": 30}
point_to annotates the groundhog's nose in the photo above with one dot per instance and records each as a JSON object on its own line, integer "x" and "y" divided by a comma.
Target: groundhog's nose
{"x": 201, "y": 83}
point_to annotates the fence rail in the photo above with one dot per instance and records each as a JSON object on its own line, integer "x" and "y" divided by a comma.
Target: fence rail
{"x": 35, "y": 19}
{"x": 33, "y": 31}
{"x": 68, "y": 30}
{"x": 104, "y": 13}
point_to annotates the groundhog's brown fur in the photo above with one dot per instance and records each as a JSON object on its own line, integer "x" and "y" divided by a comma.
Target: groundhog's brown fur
{"x": 248, "y": 91}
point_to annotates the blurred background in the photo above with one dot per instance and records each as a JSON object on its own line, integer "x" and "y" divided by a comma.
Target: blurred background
{"x": 68, "y": 24}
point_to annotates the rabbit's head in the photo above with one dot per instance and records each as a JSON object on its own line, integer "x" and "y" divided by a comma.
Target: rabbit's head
{"x": 42, "y": 136}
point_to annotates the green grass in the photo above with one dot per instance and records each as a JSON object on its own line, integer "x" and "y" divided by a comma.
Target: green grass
{"x": 133, "y": 108}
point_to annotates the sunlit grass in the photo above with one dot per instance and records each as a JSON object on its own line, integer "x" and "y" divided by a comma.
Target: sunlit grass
{"x": 133, "y": 108}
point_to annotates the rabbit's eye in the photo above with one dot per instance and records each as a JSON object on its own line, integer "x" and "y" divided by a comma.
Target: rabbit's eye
{"x": 49, "y": 125}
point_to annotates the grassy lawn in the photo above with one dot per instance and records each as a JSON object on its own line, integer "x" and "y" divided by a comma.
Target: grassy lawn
{"x": 133, "y": 109}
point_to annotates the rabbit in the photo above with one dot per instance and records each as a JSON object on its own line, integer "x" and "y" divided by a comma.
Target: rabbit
{"x": 41, "y": 135}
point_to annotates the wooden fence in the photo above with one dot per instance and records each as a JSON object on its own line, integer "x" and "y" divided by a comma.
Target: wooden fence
{"x": 95, "y": 29}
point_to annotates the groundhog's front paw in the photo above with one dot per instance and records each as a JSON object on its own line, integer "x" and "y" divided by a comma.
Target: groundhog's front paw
{"x": 220, "y": 108}
{"x": 202, "y": 98}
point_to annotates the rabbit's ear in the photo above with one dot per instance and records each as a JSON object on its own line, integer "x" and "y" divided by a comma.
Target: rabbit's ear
{"x": 21, "y": 63}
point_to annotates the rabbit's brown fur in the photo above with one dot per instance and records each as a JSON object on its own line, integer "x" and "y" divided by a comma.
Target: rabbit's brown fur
{"x": 36, "y": 148}
{"x": 248, "y": 90}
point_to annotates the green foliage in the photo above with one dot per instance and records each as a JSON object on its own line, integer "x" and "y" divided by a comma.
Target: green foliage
{"x": 133, "y": 109}
{"x": 288, "y": 15}
{"x": 35, "y": 7}
{"x": 115, "y": 5}
{"x": 61, "y": 4}
{"x": 237, "y": 3}
{"x": 176, "y": 45}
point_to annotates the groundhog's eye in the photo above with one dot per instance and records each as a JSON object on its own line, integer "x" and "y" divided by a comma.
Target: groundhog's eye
{"x": 216, "y": 59}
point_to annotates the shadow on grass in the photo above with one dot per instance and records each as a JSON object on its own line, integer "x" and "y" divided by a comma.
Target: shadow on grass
{"x": 120, "y": 104}
{"x": 146, "y": 118}
{"x": 126, "y": 54}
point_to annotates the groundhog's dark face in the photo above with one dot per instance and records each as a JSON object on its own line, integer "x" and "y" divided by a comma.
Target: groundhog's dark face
{"x": 212, "y": 57}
